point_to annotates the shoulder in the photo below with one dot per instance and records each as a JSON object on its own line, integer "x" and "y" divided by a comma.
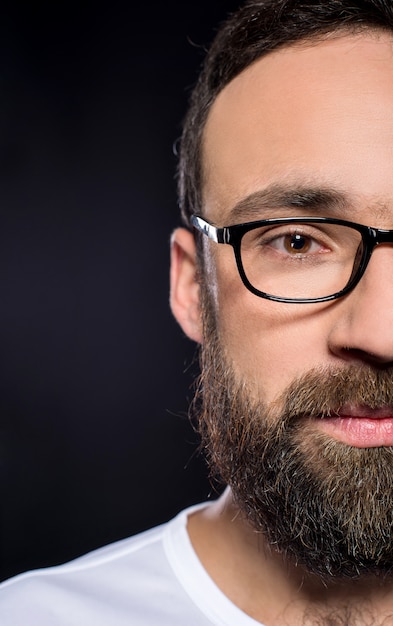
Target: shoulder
{"x": 129, "y": 580}
{"x": 72, "y": 593}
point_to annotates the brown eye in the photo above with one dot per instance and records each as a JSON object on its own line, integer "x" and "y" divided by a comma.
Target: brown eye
{"x": 297, "y": 243}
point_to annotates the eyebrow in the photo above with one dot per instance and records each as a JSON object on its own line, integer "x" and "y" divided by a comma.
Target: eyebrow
{"x": 287, "y": 197}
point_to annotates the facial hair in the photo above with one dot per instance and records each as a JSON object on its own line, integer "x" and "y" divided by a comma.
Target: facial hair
{"x": 323, "y": 504}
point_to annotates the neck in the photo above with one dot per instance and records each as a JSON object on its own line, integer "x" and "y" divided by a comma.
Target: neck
{"x": 273, "y": 591}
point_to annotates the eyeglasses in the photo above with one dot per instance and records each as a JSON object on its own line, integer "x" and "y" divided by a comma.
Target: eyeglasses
{"x": 299, "y": 259}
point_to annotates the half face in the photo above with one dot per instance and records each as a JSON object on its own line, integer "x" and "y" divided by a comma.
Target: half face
{"x": 305, "y": 119}
{"x": 297, "y": 399}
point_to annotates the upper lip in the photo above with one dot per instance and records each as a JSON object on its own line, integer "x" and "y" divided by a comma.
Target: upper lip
{"x": 360, "y": 410}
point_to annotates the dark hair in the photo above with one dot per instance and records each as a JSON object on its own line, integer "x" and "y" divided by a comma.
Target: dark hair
{"x": 257, "y": 28}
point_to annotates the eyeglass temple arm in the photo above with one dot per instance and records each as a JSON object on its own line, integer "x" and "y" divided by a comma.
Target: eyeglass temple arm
{"x": 219, "y": 235}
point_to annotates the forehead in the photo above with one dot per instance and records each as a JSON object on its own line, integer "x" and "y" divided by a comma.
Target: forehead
{"x": 319, "y": 113}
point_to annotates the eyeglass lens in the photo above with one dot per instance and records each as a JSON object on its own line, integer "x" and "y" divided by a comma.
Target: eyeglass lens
{"x": 302, "y": 260}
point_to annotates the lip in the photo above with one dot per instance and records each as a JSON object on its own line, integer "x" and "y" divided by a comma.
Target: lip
{"x": 360, "y": 426}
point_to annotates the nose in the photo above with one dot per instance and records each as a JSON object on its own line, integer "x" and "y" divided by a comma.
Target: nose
{"x": 364, "y": 327}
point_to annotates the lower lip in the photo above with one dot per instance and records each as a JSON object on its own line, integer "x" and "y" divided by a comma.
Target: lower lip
{"x": 360, "y": 432}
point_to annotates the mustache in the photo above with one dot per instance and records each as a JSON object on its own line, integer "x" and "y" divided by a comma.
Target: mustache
{"x": 322, "y": 392}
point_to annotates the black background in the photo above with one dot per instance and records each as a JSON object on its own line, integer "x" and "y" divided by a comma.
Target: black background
{"x": 94, "y": 374}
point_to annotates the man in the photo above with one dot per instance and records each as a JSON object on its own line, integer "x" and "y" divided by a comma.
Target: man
{"x": 285, "y": 277}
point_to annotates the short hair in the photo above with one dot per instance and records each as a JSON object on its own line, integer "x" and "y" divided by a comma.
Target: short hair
{"x": 257, "y": 28}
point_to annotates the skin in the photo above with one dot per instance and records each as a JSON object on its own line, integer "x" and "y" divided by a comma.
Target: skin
{"x": 317, "y": 115}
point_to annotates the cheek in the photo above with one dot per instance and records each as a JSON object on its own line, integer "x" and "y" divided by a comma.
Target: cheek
{"x": 268, "y": 343}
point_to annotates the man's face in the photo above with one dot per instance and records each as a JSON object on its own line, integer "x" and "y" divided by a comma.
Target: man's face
{"x": 297, "y": 399}
{"x": 311, "y": 116}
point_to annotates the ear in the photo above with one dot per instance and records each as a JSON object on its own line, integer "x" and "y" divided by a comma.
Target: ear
{"x": 184, "y": 292}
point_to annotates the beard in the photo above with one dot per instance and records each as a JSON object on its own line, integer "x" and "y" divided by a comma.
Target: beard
{"x": 323, "y": 504}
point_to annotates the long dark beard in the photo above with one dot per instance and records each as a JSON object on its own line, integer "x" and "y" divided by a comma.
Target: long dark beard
{"x": 327, "y": 506}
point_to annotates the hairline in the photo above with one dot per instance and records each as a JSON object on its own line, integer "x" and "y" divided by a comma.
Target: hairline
{"x": 302, "y": 42}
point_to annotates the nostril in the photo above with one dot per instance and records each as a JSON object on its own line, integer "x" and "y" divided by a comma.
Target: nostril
{"x": 379, "y": 361}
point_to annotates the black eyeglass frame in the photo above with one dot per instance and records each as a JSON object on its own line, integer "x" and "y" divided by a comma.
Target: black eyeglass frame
{"x": 232, "y": 235}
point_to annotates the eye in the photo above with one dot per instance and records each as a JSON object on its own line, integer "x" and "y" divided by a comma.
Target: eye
{"x": 294, "y": 243}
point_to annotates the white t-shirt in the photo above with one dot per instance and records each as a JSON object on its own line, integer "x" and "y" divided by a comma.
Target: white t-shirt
{"x": 152, "y": 579}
